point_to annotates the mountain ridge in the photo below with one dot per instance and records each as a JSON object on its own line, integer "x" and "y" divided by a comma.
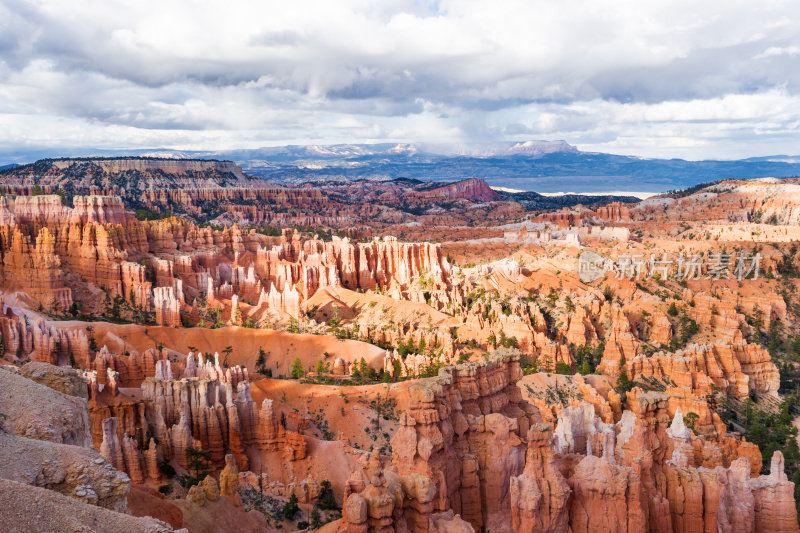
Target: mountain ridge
{"x": 541, "y": 166}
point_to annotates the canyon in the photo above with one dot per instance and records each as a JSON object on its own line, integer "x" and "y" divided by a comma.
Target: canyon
{"x": 301, "y": 363}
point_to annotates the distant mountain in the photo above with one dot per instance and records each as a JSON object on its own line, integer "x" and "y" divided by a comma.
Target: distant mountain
{"x": 528, "y": 148}
{"x": 531, "y": 166}
{"x": 295, "y": 153}
{"x": 541, "y": 166}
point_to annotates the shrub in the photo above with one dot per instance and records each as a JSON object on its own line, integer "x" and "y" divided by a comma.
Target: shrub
{"x": 691, "y": 420}
{"x": 316, "y": 519}
{"x": 563, "y": 368}
{"x": 431, "y": 370}
{"x": 624, "y": 384}
{"x": 608, "y": 293}
{"x": 166, "y": 469}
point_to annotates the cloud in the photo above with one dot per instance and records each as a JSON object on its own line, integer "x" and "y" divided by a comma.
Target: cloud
{"x": 779, "y": 51}
{"x": 696, "y": 77}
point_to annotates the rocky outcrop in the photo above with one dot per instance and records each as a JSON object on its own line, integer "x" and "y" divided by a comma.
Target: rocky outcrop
{"x": 471, "y": 189}
{"x": 80, "y": 473}
{"x": 229, "y": 480}
{"x": 540, "y": 496}
{"x": 730, "y": 498}
{"x": 165, "y": 267}
{"x": 587, "y": 475}
{"x": 186, "y": 410}
{"x": 614, "y": 212}
{"x": 773, "y": 497}
{"x": 205, "y": 491}
{"x": 211, "y": 411}
{"x": 167, "y": 306}
{"x": 59, "y": 378}
{"x": 379, "y": 503}
{"x": 41, "y": 341}
{"x": 620, "y": 343}
{"x": 730, "y": 201}
{"x": 606, "y": 497}
{"x": 272, "y": 436}
{"x": 38, "y": 412}
{"x": 737, "y": 369}
{"x": 461, "y": 432}
{"x": 306, "y": 490}
{"x": 660, "y": 330}
{"x": 185, "y": 186}
{"x": 631, "y": 487}
{"x": 111, "y": 447}
{"x": 50, "y": 477}
{"x": 579, "y": 431}
{"x": 28, "y": 508}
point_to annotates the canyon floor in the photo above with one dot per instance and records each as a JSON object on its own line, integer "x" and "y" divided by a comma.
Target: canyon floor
{"x": 185, "y": 347}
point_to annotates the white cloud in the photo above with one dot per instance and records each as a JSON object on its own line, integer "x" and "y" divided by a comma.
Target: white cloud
{"x": 779, "y": 51}
{"x": 666, "y": 77}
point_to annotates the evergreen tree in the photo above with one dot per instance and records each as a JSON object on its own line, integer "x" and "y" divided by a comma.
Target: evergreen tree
{"x": 297, "y": 369}
{"x": 326, "y": 498}
{"x": 398, "y": 369}
{"x": 291, "y": 508}
{"x": 227, "y": 351}
{"x": 198, "y": 464}
{"x": 316, "y": 519}
{"x": 261, "y": 360}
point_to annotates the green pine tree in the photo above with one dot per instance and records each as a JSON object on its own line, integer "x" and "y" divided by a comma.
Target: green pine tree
{"x": 297, "y": 369}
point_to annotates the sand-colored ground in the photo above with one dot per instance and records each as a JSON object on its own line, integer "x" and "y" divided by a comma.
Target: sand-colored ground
{"x": 281, "y": 348}
{"x": 374, "y": 308}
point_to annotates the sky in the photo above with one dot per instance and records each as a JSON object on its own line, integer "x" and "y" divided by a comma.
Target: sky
{"x": 690, "y": 79}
